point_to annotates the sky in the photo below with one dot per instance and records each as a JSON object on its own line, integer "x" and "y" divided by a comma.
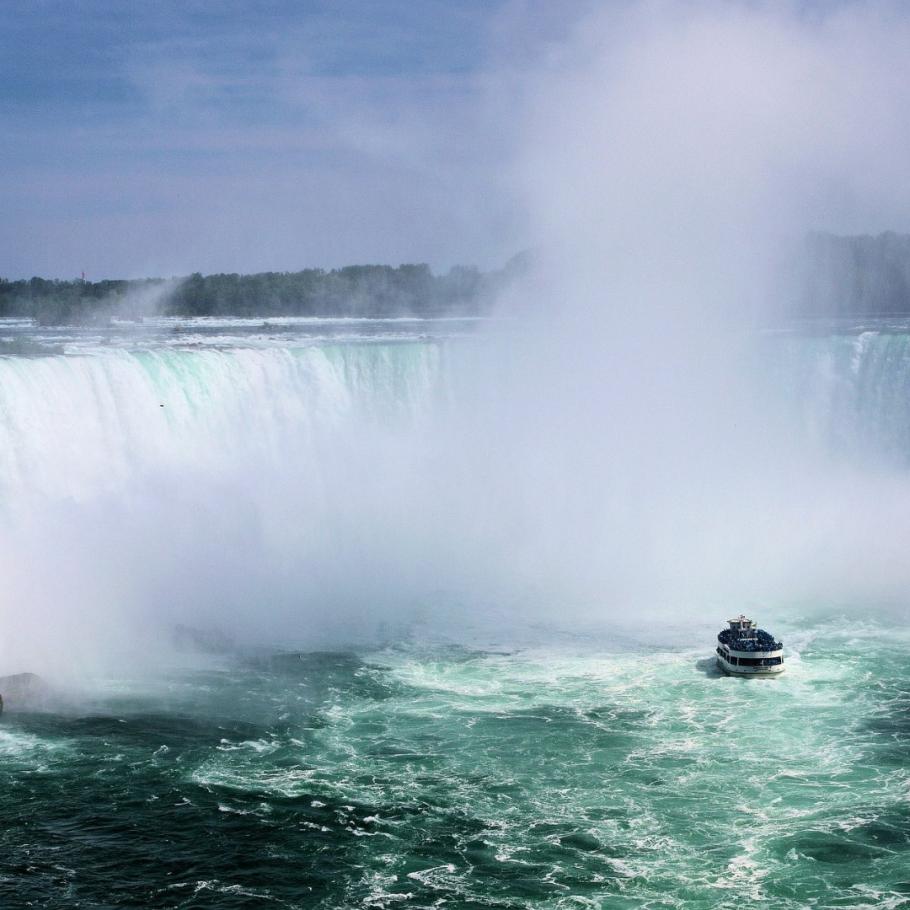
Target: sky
{"x": 159, "y": 139}
{"x": 170, "y": 137}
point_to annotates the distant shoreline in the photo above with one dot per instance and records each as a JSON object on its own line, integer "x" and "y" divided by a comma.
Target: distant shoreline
{"x": 362, "y": 291}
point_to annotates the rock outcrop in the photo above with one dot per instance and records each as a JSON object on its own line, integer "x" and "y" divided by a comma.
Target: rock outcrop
{"x": 23, "y": 692}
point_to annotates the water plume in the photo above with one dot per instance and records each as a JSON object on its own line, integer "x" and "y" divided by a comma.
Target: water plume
{"x": 672, "y": 154}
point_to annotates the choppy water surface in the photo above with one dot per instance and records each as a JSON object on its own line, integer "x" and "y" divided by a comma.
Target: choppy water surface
{"x": 434, "y": 775}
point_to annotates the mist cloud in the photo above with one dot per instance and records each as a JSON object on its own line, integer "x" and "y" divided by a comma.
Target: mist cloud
{"x": 672, "y": 155}
{"x": 617, "y": 450}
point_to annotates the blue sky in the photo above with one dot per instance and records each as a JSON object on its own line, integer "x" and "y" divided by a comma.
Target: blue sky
{"x": 161, "y": 138}
{"x": 168, "y": 137}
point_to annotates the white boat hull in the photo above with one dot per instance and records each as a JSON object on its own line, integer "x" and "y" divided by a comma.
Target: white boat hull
{"x": 732, "y": 670}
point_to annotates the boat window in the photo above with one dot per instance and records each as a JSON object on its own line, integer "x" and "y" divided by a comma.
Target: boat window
{"x": 760, "y": 661}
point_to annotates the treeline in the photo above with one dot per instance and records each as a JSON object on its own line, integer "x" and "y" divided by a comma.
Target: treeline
{"x": 359, "y": 290}
{"x": 54, "y": 302}
{"x": 835, "y": 276}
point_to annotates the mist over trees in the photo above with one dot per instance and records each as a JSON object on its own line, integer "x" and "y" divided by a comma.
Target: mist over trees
{"x": 353, "y": 291}
{"x": 857, "y": 276}
{"x": 835, "y": 276}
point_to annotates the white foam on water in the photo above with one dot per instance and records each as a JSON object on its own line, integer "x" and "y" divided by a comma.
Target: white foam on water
{"x": 27, "y": 747}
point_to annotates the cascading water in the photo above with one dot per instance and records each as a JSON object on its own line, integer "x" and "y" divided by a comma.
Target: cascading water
{"x": 354, "y": 477}
{"x": 75, "y": 427}
{"x": 201, "y": 486}
{"x": 851, "y": 390}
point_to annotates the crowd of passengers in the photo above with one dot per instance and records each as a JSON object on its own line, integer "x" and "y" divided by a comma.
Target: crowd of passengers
{"x": 764, "y": 642}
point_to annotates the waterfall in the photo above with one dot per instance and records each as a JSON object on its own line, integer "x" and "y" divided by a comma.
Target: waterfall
{"x": 73, "y": 427}
{"x": 210, "y": 487}
{"x": 850, "y": 392}
{"x": 325, "y": 491}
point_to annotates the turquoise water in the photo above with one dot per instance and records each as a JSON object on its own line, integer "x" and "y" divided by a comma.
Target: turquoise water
{"x": 427, "y": 775}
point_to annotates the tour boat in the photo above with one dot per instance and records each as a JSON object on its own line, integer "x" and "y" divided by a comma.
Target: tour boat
{"x": 746, "y": 650}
